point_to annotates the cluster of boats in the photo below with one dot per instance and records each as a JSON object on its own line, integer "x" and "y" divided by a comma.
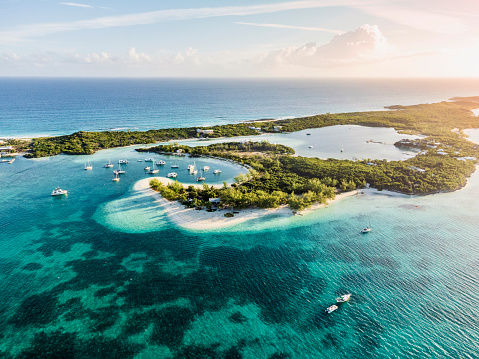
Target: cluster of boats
{"x": 342, "y": 299}
{"x": 150, "y": 170}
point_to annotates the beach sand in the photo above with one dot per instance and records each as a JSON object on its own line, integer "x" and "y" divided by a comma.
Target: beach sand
{"x": 198, "y": 220}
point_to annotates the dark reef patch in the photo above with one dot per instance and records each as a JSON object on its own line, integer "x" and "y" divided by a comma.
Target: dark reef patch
{"x": 38, "y": 309}
{"x": 32, "y": 266}
{"x": 198, "y": 352}
{"x": 237, "y": 317}
{"x": 170, "y": 325}
{"x": 56, "y": 345}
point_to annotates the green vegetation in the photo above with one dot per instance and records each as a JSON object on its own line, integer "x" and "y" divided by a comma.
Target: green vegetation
{"x": 435, "y": 120}
{"x": 277, "y": 177}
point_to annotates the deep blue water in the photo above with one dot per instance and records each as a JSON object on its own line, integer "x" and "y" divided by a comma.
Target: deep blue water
{"x": 35, "y": 107}
{"x": 103, "y": 273}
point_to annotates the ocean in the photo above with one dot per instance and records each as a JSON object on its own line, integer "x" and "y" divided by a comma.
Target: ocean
{"x": 102, "y": 273}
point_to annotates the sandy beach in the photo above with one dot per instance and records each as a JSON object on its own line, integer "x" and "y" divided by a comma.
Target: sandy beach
{"x": 192, "y": 219}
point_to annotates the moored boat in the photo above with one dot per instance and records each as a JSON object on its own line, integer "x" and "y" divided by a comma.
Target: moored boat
{"x": 343, "y": 298}
{"x": 108, "y": 165}
{"x": 331, "y": 308}
{"x": 172, "y": 174}
{"x": 217, "y": 172}
{"x": 366, "y": 230}
{"x": 160, "y": 163}
{"x": 88, "y": 166}
{"x": 59, "y": 192}
{"x": 123, "y": 162}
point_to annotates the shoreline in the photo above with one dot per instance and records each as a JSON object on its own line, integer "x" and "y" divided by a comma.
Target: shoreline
{"x": 199, "y": 220}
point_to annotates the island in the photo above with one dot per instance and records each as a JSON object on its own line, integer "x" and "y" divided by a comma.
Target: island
{"x": 277, "y": 177}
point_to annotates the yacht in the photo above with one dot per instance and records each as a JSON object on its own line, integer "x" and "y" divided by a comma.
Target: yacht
{"x": 172, "y": 174}
{"x": 153, "y": 170}
{"x": 149, "y": 159}
{"x": 175, "y": 165}
{"x": 160, "y": 163}
{"x": 58, "y": 192}
{"x": 343, "y": 298}
{"x": 201, "y": 178}
{"x": 206, "y": 168}
{"x": 217, "y": 172}
{"x": 192, "y": 169}
{"x": 140, "y": 160}
{"x": 147, "y": 168}
{"x": 366, "y": 230}
{"x": 310, "y": 146}
{"x": 331, "y": 309}
{"x": 116, "y": 179}
{"x": 122, "y": 162}
{"x": 119, "y": 170}
{"x": 89, "y": 166}
{"x": 108, "y": 165}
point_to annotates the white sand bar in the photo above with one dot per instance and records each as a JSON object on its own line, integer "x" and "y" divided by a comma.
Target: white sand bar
{"x": 197, "y": 220}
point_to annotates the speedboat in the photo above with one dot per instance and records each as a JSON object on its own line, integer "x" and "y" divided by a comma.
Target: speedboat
{"x": 310, "y": 146}
{"x": 58, "y": 192}
{"x": 217, "y": 172}
{"x": 172, "y": 174}
{"x": 122, "y": 161}
{"x": 160, "y": 163}
{"x": 366, "y": 230}
{"x": 331, "y": 308}
{"x": 343, "y": 298}
{"x": 206, "y": 168}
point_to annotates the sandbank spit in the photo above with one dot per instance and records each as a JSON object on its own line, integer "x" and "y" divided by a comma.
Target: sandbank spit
{"x": 192, "y": 219}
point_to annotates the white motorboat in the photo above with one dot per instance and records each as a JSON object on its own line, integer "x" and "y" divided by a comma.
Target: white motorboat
{"x": 108, "y": 165}
{"x": 160, "y": 163}
{"x": 206, "y": 168}
{"x": 140, "y": 160}
{"x": 59, "y": 192}
{"x": 343, "y": 298}
{"x": 217, "y": 172}
{"x": 331, "y": 308}
{"x": 122, "y": 162}
{"x": 88, "y": 166}
{"x": 366, "y": 230}
{"x": 172, "y": 174}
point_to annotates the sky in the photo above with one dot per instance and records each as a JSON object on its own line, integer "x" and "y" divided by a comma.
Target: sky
{"x": 249, "y": 38}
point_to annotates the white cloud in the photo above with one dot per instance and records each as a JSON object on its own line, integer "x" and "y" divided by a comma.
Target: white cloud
{"x": 280, "y": 26}
{"x": 138, "y": 56}
{"x": 28, "y": 31}
{"x": 75, "y": 4}
{"x": 365, "y": 44}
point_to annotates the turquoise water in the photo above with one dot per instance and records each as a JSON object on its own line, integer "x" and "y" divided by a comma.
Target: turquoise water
{"x": 102, "y": 273}
{"x": 357, "y": 142}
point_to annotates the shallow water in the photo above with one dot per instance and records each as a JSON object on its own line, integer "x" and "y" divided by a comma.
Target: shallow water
{"x": 100, "y": 273}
